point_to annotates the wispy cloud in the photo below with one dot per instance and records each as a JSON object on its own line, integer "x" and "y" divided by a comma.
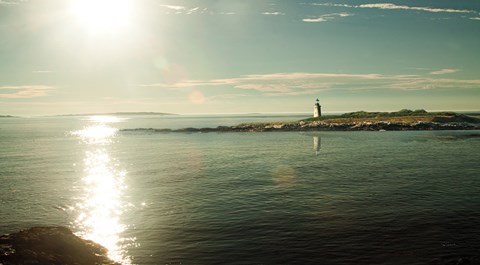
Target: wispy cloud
{"x": 391, "y": 6}
{"x": 332, "y": 4}
{"x": 193, "y": 83}
{"x": 10, "y": 2}
{"x": 192, "y": 10}
{"x": 418, "y": 8}
{"x": 27, "y": 91}
{"x": 281, "y": 84}
{"x": 176, "y": 8}
{"x": 318, "y": 19}
{"x": 326, "y": 17}
{"x": 444, "y": 71}
{"x": 186, "y": 10}
{"x": 432, "y": 83}
{"x": 276, "y": 13}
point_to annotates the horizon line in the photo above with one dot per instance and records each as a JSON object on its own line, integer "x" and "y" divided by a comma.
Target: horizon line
{"x": 209, "y": 114}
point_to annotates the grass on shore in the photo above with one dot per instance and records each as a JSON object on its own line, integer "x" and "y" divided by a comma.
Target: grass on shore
{"x": 402, "y": 116}
{"x": 398, "y": 117}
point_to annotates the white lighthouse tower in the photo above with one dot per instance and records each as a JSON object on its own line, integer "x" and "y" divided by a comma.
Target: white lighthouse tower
{"x": 317, "y": 109}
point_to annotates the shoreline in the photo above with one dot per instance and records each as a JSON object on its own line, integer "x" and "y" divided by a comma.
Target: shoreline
{"x": 395, "y": 123}
{"x": 331, "y": 127}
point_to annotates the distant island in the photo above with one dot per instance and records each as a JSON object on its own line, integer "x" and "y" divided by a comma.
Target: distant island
{"x": 355, "y": 121}
{"x": 119, "y": 113}
{"x": 102, "y": 114}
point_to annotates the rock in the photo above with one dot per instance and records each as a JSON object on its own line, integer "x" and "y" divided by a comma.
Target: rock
{"x": 396, "y": 123}
{"x": 50, "y": 245}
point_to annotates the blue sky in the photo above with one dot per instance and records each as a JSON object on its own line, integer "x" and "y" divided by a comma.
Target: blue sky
{"x": 221, "y": 56}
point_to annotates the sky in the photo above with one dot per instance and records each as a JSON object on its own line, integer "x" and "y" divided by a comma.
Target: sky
{"x": 229, "y": 56}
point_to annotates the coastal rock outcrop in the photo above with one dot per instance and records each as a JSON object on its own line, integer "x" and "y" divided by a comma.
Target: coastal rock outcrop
{"x": 50, "y": 245}
{"x": 447, "y": 121}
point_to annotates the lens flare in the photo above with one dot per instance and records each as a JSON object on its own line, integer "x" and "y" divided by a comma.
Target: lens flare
{"x": 196, "y": 97}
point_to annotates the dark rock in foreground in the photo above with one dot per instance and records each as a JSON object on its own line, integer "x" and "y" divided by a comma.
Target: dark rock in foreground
{"x": 50, "y": 245}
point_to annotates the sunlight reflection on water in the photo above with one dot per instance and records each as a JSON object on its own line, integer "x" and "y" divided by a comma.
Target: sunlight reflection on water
{"x": 105, "y": 119}
{"x": 98, "y": 134}
{"x": 102, "y": 204}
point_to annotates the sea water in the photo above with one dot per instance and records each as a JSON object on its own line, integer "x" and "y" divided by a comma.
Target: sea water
{"x": 244, "y": 198}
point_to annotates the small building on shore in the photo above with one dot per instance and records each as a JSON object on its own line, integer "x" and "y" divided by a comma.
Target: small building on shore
{"x": 317, "y": 109}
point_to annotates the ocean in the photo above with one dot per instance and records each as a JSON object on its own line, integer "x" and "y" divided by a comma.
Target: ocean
{"x": 394, "y": 197}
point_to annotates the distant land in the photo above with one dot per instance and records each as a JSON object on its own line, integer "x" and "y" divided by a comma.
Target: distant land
{"x": 354, "y": 121}
{"x": 119, "y": 113}
{"x": 8, "y": 116}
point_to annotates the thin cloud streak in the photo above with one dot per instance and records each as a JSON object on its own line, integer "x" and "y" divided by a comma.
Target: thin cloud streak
{"x": 390, "y": 6}
{"x": 9, "y": 3}
{"x": 176, "y": 8}
{"x": 326, "y": 17}
{"x": 184, "y": 10}
{"x": 273, "y": 13}
{"x": 27, "y": 91}
{"x": 444, "y": 71}
{"x": 427, "y": 9}
{"x": 431, "y": 83}
{"x": 319, "y": 19}
{"x": 193, "y": 10}
{"x": 282, "y": 84}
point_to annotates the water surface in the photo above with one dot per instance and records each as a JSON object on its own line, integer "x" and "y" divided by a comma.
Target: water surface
{"x": 244, "y": 198}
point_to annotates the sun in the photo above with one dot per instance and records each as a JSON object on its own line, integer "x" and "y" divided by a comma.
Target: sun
{"x": 102, "y": 16}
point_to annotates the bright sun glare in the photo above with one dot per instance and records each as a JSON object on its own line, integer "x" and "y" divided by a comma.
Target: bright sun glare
{"x": 102, "y": 16}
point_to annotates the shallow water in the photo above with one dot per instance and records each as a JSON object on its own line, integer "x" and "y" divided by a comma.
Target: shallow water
{"x": 244, "y": 198}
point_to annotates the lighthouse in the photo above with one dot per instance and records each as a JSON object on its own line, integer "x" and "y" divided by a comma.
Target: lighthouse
{"x": 317, "y": 109}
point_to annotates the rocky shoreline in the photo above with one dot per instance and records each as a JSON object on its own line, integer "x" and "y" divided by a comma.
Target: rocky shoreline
{"x": 457, "y": 122}
{"x": 50, "y": 245}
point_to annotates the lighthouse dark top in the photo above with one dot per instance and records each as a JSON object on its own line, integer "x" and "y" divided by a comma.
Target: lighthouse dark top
{"x": 317, "y": 109}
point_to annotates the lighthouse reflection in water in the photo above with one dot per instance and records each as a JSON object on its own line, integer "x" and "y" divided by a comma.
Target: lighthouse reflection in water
{"x": 100, "y": 203}
{"x": 317, "y": 144}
